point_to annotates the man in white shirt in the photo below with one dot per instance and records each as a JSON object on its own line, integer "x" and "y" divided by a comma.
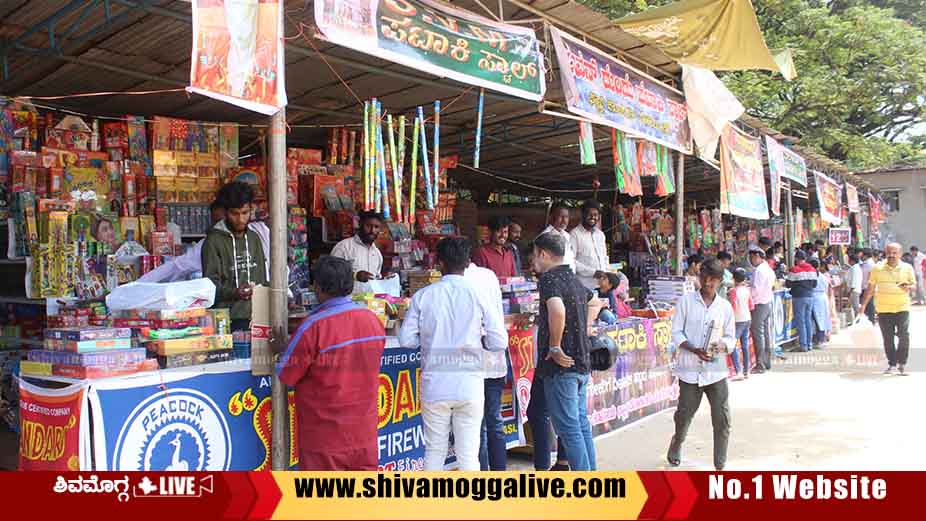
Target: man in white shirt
{"x": 763, "y": 284}
{"x": 492, "y": 450}
{"x": 588, "y": 242}
{"x": 703, "y": 332}
{"x": 361, "y": 250}
{"x": 918, "y": 259}
{"x": 854, "y": 282}
{"x": 453, "y": 327}
{"x": 559, "y": 221}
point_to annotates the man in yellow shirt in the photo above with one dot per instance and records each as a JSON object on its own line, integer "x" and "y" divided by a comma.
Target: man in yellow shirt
{"x": 891, "y": 283}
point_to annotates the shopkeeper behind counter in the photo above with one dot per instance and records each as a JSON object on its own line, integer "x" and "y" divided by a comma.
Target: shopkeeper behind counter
{"x": 233, "y": 256}
{"x": 361, "y": 250}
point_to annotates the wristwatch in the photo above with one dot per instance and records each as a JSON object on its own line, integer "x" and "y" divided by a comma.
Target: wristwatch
{"x": 556, "y": 349}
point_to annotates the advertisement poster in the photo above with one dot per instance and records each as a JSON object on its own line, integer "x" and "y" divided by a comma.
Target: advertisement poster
{"x": 742, "y": 184}
{"x": 50, "y": 425}
{"x": 610, "y": 92}
{"x": 829, "y": 195}
{"x": 521, "y": 348}
{"x": 238, "y": 53}
{"x": 785, "y": 163}
{"x": 640, "y": 383}
{"x": 774, "y": 184}
{"x": 783, "y": 318}
{"x": 874, "y": 212}
{"x": 840, "y": 236}
{"x": 852, "y": 198}
{"x": 213, "y": 417}
{"x": 401, "y": 434}
{"x": 438, "y": 39}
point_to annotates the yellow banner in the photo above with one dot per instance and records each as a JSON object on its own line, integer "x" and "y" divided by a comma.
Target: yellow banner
{"x": 719, "y": 35}
{"x": 460, "y": 495}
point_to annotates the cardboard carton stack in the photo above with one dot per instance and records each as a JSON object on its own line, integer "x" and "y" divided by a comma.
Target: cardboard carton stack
{"x": 182, "y": 337}
{"x": 519, "y": 296}
{"x": 421, "y": 279}
{"x": 667, "y": 288}
{"x": 87, "y": 352}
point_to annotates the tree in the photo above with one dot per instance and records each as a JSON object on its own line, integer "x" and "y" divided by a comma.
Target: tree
{"x": 859, "y": 94}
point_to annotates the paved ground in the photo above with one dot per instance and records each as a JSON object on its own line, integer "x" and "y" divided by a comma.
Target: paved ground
{"x": 803, "y": 416}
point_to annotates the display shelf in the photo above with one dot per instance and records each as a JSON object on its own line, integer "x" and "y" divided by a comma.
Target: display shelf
{"x": 22, "y": 300}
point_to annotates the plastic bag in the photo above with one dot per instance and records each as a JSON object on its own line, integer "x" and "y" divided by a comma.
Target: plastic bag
{"x": 156, "y": 296}
{"x": 864, "y": 334}
{"x": 389, "y": 286}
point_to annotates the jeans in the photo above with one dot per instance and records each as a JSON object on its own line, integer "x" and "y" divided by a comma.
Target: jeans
{"x": 539, "y": 418}
{"x": 607, "y": 316}
{"x": 899, "y": 324}
{"x": 742, "y": 334}
{"x": 567, "y": 401}
{"x": 493, "y": 453}
{"x": 803, "y": 321}
{"x": 689, "y": 400}
{"x": 465, "y": 416}
{"x": 760, "y": 334}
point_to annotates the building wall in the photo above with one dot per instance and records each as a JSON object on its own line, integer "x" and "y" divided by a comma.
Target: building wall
{"x": 908, "y": 225}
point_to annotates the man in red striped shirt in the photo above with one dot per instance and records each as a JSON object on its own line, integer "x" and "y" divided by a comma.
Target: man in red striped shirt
{"x": 333, "y": 361}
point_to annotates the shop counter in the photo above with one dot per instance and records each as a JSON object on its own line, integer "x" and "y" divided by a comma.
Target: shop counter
{"x": 217, "y": 416}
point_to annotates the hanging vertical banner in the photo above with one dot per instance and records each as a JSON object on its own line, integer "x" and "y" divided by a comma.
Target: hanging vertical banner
{"x": 829, "y": 195}
{"x": 438, "y": 39}
{"x": 50, "y": 421}
{"x": 742, "y": 184}
{"x": 586, "y": 144}
{"x": 238, "y": 53}
{"x": 852, "y": 198}
{"x": 610, "y": 92}
{"x": 774, "y": 185}
{"x": 785, "y": 163}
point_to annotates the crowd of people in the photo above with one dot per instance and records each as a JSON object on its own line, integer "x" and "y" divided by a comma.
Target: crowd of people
{"x": 459, "y": 326}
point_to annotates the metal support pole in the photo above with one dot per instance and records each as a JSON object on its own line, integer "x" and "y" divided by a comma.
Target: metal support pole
{"x": 789, "y": 227}
{"x": 679, "y": 213}
{"x": 279, "y": 316}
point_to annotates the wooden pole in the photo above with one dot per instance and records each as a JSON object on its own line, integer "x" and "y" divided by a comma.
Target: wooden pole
{"x": 279, "y": 315}
{"x": 679, "y": 213}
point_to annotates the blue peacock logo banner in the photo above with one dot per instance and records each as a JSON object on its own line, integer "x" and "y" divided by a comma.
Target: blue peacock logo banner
{"x": 182, "y": 423}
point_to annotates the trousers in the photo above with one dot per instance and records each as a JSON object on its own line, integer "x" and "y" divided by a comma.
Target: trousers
{"x": 689, "y": 400}
{"x": 465, "y": 417}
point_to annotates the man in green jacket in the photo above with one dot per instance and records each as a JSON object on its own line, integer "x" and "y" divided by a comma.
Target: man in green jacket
{"x": 233, "y": 257}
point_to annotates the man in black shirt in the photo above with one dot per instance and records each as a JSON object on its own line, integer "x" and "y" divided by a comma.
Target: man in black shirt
{"x": 566, "y": 312}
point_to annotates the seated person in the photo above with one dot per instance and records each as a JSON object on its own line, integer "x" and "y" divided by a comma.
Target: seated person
{"x": 613, "y": 287}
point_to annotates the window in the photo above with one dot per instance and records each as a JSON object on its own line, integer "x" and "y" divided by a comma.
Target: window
{"x": 891, "y": 199}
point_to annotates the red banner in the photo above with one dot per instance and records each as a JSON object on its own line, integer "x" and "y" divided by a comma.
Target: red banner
{"x": 238, "y": 53}
{"x": 756, "y": 496}
{"x": 829, "y": 195}
{"x": 521, "y": 348}
{"x": 50, "y": 427}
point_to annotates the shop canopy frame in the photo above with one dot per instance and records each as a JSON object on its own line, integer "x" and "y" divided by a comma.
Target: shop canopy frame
{"x": 54, "y": 48}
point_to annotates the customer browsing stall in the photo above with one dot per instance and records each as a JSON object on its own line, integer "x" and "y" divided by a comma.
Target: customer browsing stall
{"x": 452, "y": 326}
{"x": 801, "y": 280}
{"x": 588, "y": 242}
{"x": 233, "y": 256}
{"x": 763, "y": 283}
{"x": 492, "y": 447}
{"x": 567, "y": 309}
{"x": 333, "y": 361}
{"x": 703, "y": 333}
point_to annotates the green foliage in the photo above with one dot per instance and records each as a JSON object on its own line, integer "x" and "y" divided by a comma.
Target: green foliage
{"x": 860, "y": 94}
